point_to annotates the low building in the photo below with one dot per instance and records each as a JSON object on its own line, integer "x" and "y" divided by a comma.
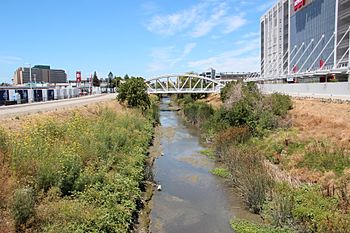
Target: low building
{"x": 39, "y": 74}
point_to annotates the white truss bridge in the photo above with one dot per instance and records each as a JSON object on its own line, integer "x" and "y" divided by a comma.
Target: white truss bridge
{"x": 183, "y": 84}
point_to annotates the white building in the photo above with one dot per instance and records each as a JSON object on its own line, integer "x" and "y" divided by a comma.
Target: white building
{"x": 274, "y": 39}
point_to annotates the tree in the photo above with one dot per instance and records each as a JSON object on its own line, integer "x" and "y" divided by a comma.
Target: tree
{"x": 126, "y": 77}
{"x": 109, "y": 79}
{"x": 116, "y": 82}
{"x": 95, "y": 81}
{"x": 134, "y": 92}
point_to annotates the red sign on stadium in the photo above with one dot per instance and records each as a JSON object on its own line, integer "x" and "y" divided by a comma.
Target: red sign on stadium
{"x": 78, "y": 76}
{"x": 298, "y": 4}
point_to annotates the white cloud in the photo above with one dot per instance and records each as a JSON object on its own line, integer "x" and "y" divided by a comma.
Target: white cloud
{"x": 198, "y": 20}
{"x": 233, "y": 23}
{"x": 165, "y": 58}
{"x": 265, "y": 6}
{"x": 149, "y": 8}
{"x": 244, "y": 59}
{"x": 10, "y": 59}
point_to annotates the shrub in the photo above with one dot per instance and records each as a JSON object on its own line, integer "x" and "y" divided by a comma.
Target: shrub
{"x": 226, "y": 91}
{"x": 71, "y": 168}
{"x": 278, "y": 211}
{"x": 22, "y": 206}
{"x": 306, "y": 209}
{"x": 198, "y": 113}
{"x": 249, "y": 175}
{"x": 280, "y": 104}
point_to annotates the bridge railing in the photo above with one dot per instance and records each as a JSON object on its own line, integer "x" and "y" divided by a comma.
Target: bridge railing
{"x": 184, "y": 90}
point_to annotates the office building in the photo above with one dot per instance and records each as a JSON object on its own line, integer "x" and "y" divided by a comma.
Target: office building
{"x": 274, "y": 39}
{"x": 39, "y": 74}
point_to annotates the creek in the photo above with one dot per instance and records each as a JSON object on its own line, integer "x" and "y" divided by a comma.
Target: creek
{"x": 192, "y": 199}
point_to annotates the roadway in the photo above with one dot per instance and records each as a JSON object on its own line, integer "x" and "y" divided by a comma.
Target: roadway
{"x": 25, "y": 109}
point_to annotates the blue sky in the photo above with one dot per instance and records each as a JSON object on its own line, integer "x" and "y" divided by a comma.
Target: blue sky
{"x": 141, "y": 38}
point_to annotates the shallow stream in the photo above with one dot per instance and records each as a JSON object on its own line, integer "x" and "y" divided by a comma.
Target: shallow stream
{"x": 192, "y": 199}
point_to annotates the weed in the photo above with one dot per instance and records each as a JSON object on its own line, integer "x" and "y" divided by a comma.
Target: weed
{"x": 221, "y": 172}
{"x": 208, "y": 152}
{"x": 22, "y": 206}
{"x": 243, "y": 226}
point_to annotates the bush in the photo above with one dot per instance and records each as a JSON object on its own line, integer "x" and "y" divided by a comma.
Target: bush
{"x": 278, "y": 211}
{"x": 249, "y": 175}
{"x": 306, "y": 210}
{"x": 22, "y": 206}
{"x": 225, "y": 139}
{"x": 280, "y": 104}
{"x": 198, "y": 113}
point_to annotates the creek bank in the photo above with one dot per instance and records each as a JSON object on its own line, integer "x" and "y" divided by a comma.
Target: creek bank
{"x": 154, "y": 151}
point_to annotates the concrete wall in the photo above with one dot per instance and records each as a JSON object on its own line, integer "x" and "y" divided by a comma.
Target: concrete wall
{"x": 339, "y": 90}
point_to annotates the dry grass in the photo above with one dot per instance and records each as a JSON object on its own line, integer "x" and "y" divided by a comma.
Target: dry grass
{"x": 214, "y": 100}
{"x": 316, "y": 119}
{"x": 16, "y": 123}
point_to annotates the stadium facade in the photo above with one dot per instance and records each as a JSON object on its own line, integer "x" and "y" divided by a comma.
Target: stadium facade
{"x": 306, "y": 39}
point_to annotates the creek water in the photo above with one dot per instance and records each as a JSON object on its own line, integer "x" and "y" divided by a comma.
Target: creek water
{"x": 192, "y": 199}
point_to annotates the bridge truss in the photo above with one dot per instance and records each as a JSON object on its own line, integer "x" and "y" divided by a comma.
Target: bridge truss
{"x": 183, "y": 84}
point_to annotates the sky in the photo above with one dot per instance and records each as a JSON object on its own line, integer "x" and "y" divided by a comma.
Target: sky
{"x": 134, "y": 37}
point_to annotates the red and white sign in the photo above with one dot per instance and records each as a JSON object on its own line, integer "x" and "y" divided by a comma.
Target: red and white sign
{"x": 298, "y": 4}
{"x": 78, "y": 76}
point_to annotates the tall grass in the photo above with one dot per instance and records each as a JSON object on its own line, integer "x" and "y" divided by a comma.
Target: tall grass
{"x": 86, "y": 171}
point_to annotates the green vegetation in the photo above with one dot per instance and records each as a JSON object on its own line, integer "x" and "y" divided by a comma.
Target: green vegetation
{"x": 305, "y": 209}
{"x": 134, "y": 92}
{"x": 242, "y": 226}
{"x": 221, "y": 172}
{"x": 83, "y": 174}
{"x": 248, "y": 131}
{"x": 22, "y": 206}
{"x": 95, "y": 81}
{"x": 246, "y": 114}
{"x": 321, "y": 157}
{"x": 208, "y": 152}
{"x": 197, "y": 112}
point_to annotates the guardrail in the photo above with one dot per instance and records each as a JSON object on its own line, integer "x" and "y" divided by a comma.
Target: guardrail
{"x": 339, "y": 90}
